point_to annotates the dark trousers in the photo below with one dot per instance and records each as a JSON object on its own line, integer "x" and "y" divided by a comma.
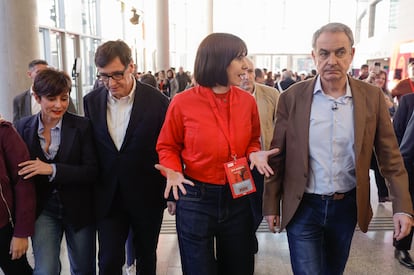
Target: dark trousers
{"x": 9, "y": 266}
{"x": 113, "y": 232}
{"x": 320, "y": 234}
{"x": 379, "y": 179}
{"x": 214, "y": 231}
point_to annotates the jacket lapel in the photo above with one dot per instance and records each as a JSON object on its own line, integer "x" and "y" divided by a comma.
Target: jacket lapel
{"x": 102, "y": 121}
{"x": 358, "y": 100}
{"x": 67, "y": 136}
{"x": 30, "y": 133}
{"x": 302, "y": 119}
{"x": 137, "y": 109}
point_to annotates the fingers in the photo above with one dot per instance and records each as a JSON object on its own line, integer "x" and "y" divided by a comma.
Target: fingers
{"x": 273, "y": 151}
{"x": 271, "y": 222}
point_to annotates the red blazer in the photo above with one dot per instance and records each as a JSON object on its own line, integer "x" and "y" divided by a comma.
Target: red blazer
{"x": 22, "y": 204}
{"x": 191, "y": 134}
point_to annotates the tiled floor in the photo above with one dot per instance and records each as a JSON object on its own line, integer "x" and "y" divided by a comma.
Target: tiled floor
{"x": 371, "y": 253}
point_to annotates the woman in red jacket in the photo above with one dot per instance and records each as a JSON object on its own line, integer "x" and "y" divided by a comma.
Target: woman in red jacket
{"x": 209, "y": 133}
{"x": 17, "y": 203}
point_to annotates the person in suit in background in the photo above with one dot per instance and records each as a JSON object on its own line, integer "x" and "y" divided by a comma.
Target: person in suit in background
{"x": 403, "y": 126}
{"x": 24, "y": 104}
{"x": 266, "y": 99}
{"x": 127, "y": 117}
{"x": 64, "y": 168}
{"x": 17, "y": 208}
{"x": 325, "y": 132}
{"x": 183, "y": 79}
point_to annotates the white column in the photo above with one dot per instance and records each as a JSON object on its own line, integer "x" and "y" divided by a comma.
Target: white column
{"x": 19, "y": 44}
{"x": 210, "y": 14}
{"x": 162, "y": 35}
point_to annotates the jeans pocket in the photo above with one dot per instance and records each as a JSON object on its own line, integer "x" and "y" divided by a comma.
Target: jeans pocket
{"x": 194, "y": 193}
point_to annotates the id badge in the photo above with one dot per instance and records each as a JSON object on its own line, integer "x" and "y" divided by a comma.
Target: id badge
{"x": 239, "y": 177}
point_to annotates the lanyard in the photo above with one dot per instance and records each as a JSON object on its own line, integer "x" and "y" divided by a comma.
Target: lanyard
{"x": 227, "y": 133}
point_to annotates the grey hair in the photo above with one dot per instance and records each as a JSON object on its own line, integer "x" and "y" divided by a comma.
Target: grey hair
{"x": 333, "y": 27}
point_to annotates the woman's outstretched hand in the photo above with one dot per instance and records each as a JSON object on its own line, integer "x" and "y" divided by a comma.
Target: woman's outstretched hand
{"x": 175, "y": 180}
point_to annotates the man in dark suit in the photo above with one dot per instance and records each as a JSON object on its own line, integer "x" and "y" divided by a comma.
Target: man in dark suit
{"x": 126, "y": 118}
{"x": 403, "y": 122}
{"x": 325, "y": 130}
{"x": 24, "y": 103}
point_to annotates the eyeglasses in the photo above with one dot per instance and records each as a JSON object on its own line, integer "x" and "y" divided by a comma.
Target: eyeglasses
{"x": 117, "y": 76}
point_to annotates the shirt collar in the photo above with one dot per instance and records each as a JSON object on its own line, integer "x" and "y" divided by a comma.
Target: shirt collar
{"x": 41, "y": 127}
{"x": 318, "y": 88}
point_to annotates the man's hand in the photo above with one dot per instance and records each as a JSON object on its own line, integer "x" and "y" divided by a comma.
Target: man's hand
{"x": 402, "y": 225}
{"x": 260, "y": 158}
{"x": 273, "y": 222}
{"x": 175, "y": 180}
{"x": 18, "y": 246}
{"x": 35, "y": 167}
{"x": 171, "y": 206}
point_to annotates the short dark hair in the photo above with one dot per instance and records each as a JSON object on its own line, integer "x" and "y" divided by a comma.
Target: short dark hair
{"x": 35, "y": 62}
{"x": 149, "y": 79}
{"x": 258, "y": 73}
{"x": 364, "y": 66}
{"x": 110, "y": 50}
{"x": 51, "y": 82}
{"x": 214, "y": 55}
{"x": 333, "y": 27}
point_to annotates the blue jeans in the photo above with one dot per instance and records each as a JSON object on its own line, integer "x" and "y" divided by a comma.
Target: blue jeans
{"x": 320, "y": 234}
{"x": 49, "y": 229}
{"x": 214, "y": 231}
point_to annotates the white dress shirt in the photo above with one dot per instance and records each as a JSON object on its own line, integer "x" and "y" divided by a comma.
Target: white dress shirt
{"x": 118, "y": 114}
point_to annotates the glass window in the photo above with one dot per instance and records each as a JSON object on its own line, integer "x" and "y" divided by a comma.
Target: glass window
{"x": 56, "y": 50}
{"x": 88, "y": 49}
{"x": 48, "y": 12}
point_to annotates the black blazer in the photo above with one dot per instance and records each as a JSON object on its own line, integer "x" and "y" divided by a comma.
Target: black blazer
{"x": 22, "y": 106}
{"x": 76, "y": 167}
{"x": 131, "y": 169}
{"x": 402, "y": 115}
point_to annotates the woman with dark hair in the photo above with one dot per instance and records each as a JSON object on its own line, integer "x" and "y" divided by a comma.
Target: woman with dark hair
{"x": 64, "y": 168}
{"x": 209, "y": 133}
{"x": 17, "y": 206}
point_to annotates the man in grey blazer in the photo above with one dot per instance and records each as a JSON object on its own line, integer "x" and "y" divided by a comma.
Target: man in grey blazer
{"x": 326, "y": 129}
{"x": 266, "y": 99}
{"x": 24, "y": 103}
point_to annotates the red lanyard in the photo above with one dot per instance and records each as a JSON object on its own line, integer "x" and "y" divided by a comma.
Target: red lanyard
{"x": 227, "y": 133}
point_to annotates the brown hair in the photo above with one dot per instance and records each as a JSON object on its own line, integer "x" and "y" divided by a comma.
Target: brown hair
{"x": 110, "y": 50}
{"x": 51, "y": 82}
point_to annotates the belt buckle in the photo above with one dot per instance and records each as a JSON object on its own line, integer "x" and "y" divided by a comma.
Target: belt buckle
{"x": 338, "y": 196}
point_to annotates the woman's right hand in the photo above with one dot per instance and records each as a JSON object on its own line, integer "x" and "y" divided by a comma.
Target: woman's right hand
{"x": 175, "y": 180}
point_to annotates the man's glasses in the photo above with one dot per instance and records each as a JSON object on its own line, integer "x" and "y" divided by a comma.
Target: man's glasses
{"x": 117, "y": 76}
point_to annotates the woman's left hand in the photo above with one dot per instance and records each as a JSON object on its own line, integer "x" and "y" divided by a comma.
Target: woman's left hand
{"x": 259, "y": 159}
{"x": 35, "y": 167}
